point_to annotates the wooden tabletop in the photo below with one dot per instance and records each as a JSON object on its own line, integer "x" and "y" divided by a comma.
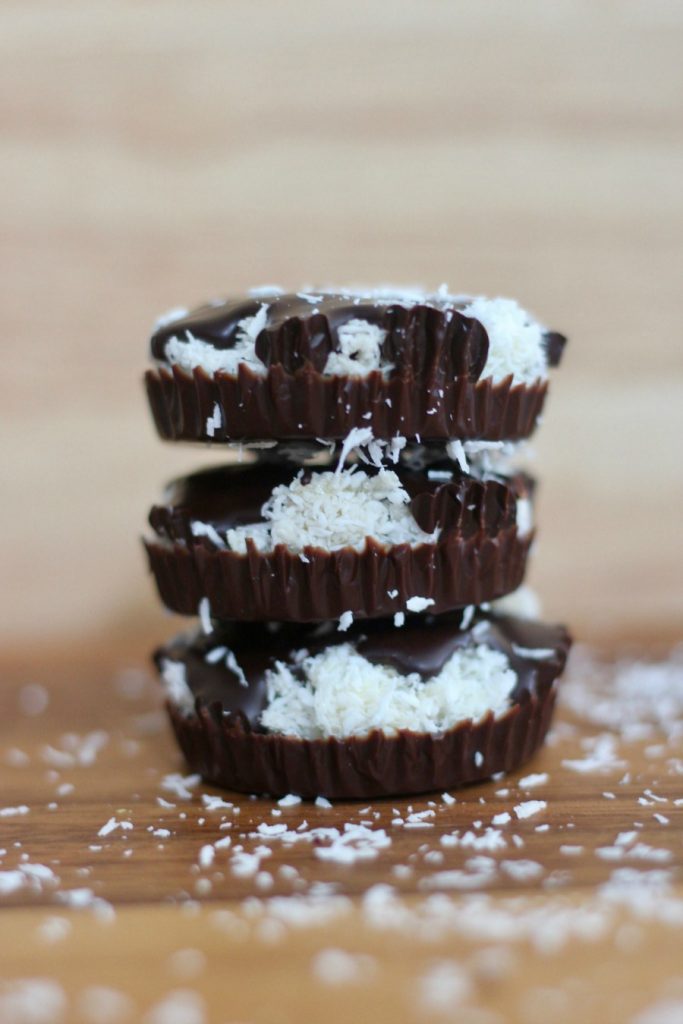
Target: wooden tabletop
{"x": 131, "y": 892}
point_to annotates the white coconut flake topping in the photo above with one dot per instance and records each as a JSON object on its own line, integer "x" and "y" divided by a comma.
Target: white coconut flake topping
{"x": 340, "y": 693}
{"x": 332, "y": 511}
{"x": 516, "y": 342}
{"x": 189, "y": 352}
{"x": 360, "y": 350}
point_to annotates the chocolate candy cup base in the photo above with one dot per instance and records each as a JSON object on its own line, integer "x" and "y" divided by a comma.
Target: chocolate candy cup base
{"x": 228, "y": 755}
{"x": 282, "y": 405}
{"x": 376, "y": 582}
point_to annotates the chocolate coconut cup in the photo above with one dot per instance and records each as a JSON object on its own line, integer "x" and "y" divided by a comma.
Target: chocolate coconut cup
{"x": 479, "y": 554}
{"x": 219, "y": 733}
{"x": 431, "y": 383}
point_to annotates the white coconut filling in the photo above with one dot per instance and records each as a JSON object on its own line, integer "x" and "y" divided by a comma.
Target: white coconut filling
{"x": 189, "y": 353}
{"x": 335, "y": 510}
{"x": 360, "y": 350}
{"x": 516, "y": 342}
{"x": 341, "y": 693}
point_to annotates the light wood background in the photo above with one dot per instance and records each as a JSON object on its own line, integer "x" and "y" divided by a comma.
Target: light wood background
{"x": 156, "y": 154}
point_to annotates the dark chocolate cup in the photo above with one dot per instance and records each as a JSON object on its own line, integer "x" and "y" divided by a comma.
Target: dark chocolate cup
{"x": 279, "y": 585}
{"x": 227, "y": 754}
{"x": 285, "y": 405}
{"x": 218, "y": 718}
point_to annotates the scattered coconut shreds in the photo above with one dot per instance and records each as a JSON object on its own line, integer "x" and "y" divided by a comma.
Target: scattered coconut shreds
{"x": 535, "y": 779}
{"x": 180, "y": 785}
{"x": 114, "y": 824}
{"x": 181, "y": 1006}
{"x": 32, "y": 1001}
{"x": 337, "y": 967}
{"x": 452, "y": 850}
{"x": 98, "y": 1004}
{"x": 291, "y": 800}
{"x": 75, "y": 750}
{"x": 529, "y": 808}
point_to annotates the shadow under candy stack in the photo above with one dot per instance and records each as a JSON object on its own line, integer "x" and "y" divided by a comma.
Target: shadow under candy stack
{"x": 357, "y": 567}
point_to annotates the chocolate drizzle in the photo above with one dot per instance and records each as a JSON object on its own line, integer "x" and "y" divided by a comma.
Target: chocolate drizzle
{"x": 222, "y": 738}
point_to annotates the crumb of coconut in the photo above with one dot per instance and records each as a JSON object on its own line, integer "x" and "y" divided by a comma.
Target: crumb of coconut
{"x": 291, "y": 800}
{"x": 529, "y": 808}
{"x": 419, "y": 604}
{"x": 345, "y": 621}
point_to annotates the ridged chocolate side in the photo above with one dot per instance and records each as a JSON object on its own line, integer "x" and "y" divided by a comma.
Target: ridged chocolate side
{"x": 478, "y": 556}
{"x": 221, "y": 738}
{"x": 376, "y": 766}
{"x": 455, "y": 572}
{"x": 304, "y": 404}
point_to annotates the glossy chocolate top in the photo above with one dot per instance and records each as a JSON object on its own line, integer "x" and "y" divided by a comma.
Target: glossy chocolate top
{"x": 430, "y": 338}
{"x": 231, "y": 496}
{"x": 423, "y": 645}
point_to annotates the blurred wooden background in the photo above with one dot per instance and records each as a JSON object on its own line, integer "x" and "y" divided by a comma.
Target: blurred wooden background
{"x": 156, "y": 154}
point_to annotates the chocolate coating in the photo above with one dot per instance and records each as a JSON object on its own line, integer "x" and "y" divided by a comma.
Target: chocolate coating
{"x": 431, "y": 338}
{"x": 223, "y": 740}
{"x": 433, "y": 390}
{"x": 478, "y": 556}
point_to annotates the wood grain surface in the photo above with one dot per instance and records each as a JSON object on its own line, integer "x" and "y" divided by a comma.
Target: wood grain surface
{"x": 575, "y": 912}
{"x": 156, "y": 154}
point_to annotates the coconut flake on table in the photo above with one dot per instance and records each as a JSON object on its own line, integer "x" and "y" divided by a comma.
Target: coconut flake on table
{"x": 334, "y": 510}
{"x": 340, "y": 693}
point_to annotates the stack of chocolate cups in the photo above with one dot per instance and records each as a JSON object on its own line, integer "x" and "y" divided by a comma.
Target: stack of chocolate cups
{"x": 356, "y": 565}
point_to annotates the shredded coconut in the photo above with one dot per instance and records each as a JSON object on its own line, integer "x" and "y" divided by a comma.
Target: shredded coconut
{"x": 32, "y": 1001}
{"x": 516, "y": 342}
{"x": 215, "y": 421}
{"x": 360, "y": 350}
{"x": 190, "y": 353}
{"x": 332, "y": 511}
{"x": 340, "y": 693}
{"x": 529, "y": 808}
{"x": 419, "y": 604}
